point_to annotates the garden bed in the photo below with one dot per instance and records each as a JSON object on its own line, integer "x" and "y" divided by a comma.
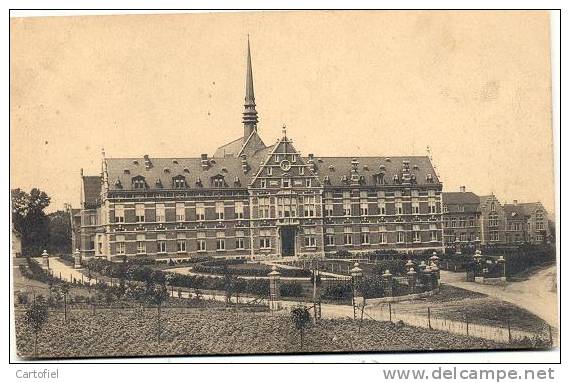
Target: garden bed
{"x": 113, "y": 333}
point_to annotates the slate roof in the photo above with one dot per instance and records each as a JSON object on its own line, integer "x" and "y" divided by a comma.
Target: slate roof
{"x": 468, "y": 200}
{"x": 91, "y": 189}
{"x": 514, "y": 211}
{"x": 460, "y": 198}
{"x": 337, "y": 167}
{"x": 530, "y": 207}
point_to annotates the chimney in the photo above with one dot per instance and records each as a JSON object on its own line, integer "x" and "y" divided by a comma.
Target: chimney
{"x": 515, "y": 202}
{"x": 462, "y": 189}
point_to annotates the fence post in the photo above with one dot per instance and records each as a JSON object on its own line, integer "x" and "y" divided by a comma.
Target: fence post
{"x": 390, "y": 310}
{"x": 429, "y": 318}
{"x": 467, "y": 324}
{"x": 509, "y": 328}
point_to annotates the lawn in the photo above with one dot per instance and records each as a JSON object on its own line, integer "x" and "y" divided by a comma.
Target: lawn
{"x": 458, "y": 304}
{"x": 197, "y": 331}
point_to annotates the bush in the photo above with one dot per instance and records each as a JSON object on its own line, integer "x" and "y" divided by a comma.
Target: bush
{"x": 338, "y": 291}
{"x": 292, "y": 289}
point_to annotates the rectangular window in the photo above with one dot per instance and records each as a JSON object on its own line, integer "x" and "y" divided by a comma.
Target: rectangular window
{"x": 364, "y": 208}
{"x": 201, "y": 241}
{"x": 220, "y": 241}
{"x": 180, "y": 212}
{"x": 401, "y": 234}
{"x": 263, "y": 183}
{"x": 346, "y": 207}
{"x": 240, "y": 240}
{"x": 432, "y": 206}
{"x": 219, "y": 210}
{"x": 301, "y": 170}
{"x": 309, "y": 207}
{"x": 160, "y": 213}
{"x": 365, "y": 236}
{"x": 329, "y": 211}
{"x": 347, "y": 236}
{"x": 286, "y": 183}
{"x": 200, "y": 212}
{"x": 399, "y": 208}
{"x": 415, "y": 207}
{"x": 119, "y": 213}
{"x": 161, "y": 243}
{"x": 139, "y": 212}
{"x": 417, "y": 235}
{"x": 180, "y": 243}
{"x": 141, "y": 244}
{"x": 381, "y": 207}
{"x": 265, "y": 239}
{"x": 120, "y": 244}
{"x": 269, "y": 171}
{"x": 329, "y": 238}
{"x": 471, "y": 221}
{"x": 239, "y": 209}
{"x": 310, "y": 238}
{"x": 308, "y": 182}
{"x": 264, "y": 207}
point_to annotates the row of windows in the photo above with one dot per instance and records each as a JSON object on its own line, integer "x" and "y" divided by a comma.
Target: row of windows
{"x": 461, "y": 222}
{"x": 160, "y": 210}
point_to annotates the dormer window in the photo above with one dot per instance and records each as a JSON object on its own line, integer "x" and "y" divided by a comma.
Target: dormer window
{"x": 175, "y": 162}
{"x": 135, "y": 162}
{"x": 379, "y": 178}
{"x": 293, "y": 158}
{"x": 199, "y": 182}
{"x": 396, "y": 179}
{"x": 127, "y": 171}
{"x": 331, "y": 168}
{"x": 429, "y": 178}
{"x": 139, "y": 183}
{"x": 276, "y": 158}
{"x": 179, "y": 182}
{"x": 218, "y": 181}
{"x": 118, "y": 184}
{"x": 166, "y": 170}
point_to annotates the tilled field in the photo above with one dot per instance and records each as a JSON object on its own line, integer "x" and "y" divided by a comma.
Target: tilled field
{"x": 194, "y": 331}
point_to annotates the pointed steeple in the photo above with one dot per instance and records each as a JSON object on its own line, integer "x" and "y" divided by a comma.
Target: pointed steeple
{"x": 249, "y": 114}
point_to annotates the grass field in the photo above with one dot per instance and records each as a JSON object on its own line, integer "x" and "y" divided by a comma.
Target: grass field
{"x": 194, "y": 331}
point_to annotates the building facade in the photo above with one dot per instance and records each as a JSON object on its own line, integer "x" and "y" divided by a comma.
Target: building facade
{"x": 461, "y": 218}
{"x": 256, "y": 201}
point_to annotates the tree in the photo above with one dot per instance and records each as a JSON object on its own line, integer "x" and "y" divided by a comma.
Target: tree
{"x": 157, "y": 296}
{"x": 64, "y": 288}
{"x": 30, "y": 220}
{"x": 301, "y": 318}
{"x": 36, "y": 316}
{"x": 59, "y": 232}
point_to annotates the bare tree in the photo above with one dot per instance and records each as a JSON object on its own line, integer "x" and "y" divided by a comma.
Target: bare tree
{"x": 301, "y": 318}
{"x": 36, "y": 316}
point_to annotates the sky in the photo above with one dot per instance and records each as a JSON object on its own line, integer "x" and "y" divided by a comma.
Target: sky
{"x": 473, "y": 86}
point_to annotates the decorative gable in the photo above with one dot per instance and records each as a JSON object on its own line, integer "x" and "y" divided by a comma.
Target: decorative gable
{"x": 284, "y": 168}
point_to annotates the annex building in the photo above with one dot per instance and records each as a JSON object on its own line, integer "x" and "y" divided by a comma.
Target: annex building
{"x": 255, "y": 201}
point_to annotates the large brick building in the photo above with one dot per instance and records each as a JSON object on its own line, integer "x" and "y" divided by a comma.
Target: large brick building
{"x": 251, "y": 200}
{"x": 469, "y": 220}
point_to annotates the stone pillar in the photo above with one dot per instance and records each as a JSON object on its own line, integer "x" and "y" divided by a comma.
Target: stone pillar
{"x": 478, "y": 267}
{"x": 412, "y": 280}
{"x": 434, "y": 259}
{"x": 388, "y": 284}
{"x": 428, "y": 279}
{"x": 45, "y": 259}
{"x": 409, "y": 265}
{"x": 77, "y": 259}
{"x": 274, "y": 289}
{"x": 503, "y": 265}
{"x": 356, "y": 279}
{"x": 435, "y": 274}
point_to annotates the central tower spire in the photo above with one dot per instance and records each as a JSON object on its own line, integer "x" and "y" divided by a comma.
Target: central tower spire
{"x": 249, "y": 114}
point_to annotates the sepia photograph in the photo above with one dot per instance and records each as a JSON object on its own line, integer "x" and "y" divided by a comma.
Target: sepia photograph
{"x": 257, "y": 183}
